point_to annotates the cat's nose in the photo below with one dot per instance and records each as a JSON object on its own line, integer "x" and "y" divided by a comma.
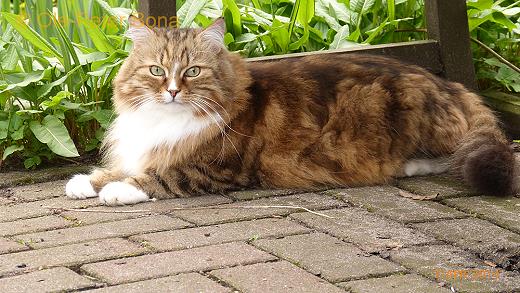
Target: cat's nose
{"x": 173, "y": 92}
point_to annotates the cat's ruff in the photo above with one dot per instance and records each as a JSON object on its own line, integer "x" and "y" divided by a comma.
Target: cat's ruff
{"x": 135, "y": 134}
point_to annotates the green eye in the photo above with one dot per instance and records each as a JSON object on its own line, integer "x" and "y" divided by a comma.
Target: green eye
{"x": 193, "y": 72}
{"x": 156, "y": 70}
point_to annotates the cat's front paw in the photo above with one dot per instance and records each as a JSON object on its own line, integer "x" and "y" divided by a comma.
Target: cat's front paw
{"x": 79, "y": 187}
{"x": 121, "y": 193}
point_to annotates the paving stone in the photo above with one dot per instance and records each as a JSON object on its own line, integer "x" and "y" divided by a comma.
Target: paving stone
{"x": 186, "y": 283}
{"x": 122, "y": 228}
{"x": 235, "y": 213}
{"x": 175, "y": 262}
{"x": 395, "y": 284}
{"x": 33, "y": 225}
{"x": 5, "y": 201}
{"x": 68, "y": 255}
{"x": 386, "y": 201}
{"x": 51, "y": 280}
{"x": 328, "y": 257}
{"x": 501, "y": 211}
{"x": 369, "y": 231}
{"x": 489, "y": 241}
{"x": 42, "y": 175}
{"x": 8, "y": 246}
{"x": 251, "y": 194}
{"x": 442, "y": 186}
{"x": 273, "y": 277}
{"x": 37, "y": 208}
{"x": 208, "y": 235}
{"x": 459, "y": 268}
{"x": 148, "y": 208}
{"x": 36, "y": 191}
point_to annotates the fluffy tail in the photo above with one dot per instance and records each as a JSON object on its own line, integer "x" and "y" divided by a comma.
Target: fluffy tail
{"x": 484, "y": 158}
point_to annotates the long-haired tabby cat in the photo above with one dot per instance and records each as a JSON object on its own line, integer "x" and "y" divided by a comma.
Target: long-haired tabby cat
{"x": 194, "y": 119}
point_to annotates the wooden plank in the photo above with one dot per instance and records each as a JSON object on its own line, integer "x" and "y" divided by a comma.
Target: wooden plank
{"x": 161, "y": 13}
{"x": 422, "y": 53}
{"x": 447, "y": 23}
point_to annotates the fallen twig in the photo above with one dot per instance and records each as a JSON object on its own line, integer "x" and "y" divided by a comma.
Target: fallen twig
{"x": 498, "y": 56}
{"x": 86, "y": 210}
{"x": 60, "y": 209}
{"x": 417, "y": 197}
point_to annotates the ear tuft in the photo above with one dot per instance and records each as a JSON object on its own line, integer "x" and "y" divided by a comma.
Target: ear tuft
{"x": 138, "y": 32}
{"x": 215, "y": 32}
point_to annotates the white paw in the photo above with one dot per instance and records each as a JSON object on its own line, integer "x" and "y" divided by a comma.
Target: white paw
{"x": 120, "y": 193}
{"x": 79, "y": 187}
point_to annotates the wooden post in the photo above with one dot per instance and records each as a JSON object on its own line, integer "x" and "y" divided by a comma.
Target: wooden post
{"x": 447, "y": 23}
{"x": 160, "y": 13}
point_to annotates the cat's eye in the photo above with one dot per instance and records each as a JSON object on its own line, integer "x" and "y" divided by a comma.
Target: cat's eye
{"x": 193, "y": 71}
{"x": 156, "y": 70}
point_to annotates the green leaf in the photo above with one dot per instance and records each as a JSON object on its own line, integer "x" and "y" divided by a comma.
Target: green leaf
{"x": 480, "y": 4}
{"x": 189, "y": 11}
{"x": 340, "y": 40}
{"x": 228, "y": 38}
{"x": 280, "y": 35}
{"x": 32, "y": 162}
{"x": 361, "y": 6}
{"x": 28, "y": 111}
{"x": 18, "y": 133}
{"x": 112, "y": 13}
{"x": 104, "y": 117}
{"x": 46, "y": 88}
{"x": 475, "y": 21}
{"x": 245, "y": 38}
{"x": 391, "y": 9}
{"x": 511, "y": 11}
{"x": 305, "y": 12}
{"x": 4, "y": 125}
{"x": 100, "y": 67}
{"x": 100, "y": 40}
{"x": 65, "y": 40}
{"x": 10, "y": 150}
{"x": 298, "y": 44}
{"x": 22, "y": 79}
{"x": 236, "y": 16}
{"x": 500, "y": 18}
{"x": 53, "y": 132}
{"x": 30, "y": 34}
{"x": 54, "y": 101}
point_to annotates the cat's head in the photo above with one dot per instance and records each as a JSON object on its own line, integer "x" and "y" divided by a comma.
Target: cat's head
{"x": 183, "y": 69}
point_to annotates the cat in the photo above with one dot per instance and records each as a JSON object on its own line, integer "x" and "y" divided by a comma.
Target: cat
{"x": 196, "y": 119}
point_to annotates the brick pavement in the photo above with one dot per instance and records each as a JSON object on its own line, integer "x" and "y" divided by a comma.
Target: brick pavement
{"x": 371, "y": 239}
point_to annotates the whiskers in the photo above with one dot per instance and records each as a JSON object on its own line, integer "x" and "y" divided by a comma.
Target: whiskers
{"x": 201, "y": 104}
{"x": 208, "y": 102}
{"x": 141, "y": 100}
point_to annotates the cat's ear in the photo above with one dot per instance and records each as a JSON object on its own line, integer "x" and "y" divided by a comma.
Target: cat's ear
{"x": 138, "y": 32}
{"x": 215, "y": 33}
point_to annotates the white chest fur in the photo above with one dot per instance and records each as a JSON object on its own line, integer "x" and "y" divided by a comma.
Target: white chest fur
{"x": 134, "y": 134}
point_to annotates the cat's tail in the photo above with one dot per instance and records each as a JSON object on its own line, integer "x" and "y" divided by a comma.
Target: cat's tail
{"x": 484, "y": 158}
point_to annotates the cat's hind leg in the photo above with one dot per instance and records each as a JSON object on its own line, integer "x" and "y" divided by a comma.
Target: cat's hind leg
{"x": 421, "y": 167}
